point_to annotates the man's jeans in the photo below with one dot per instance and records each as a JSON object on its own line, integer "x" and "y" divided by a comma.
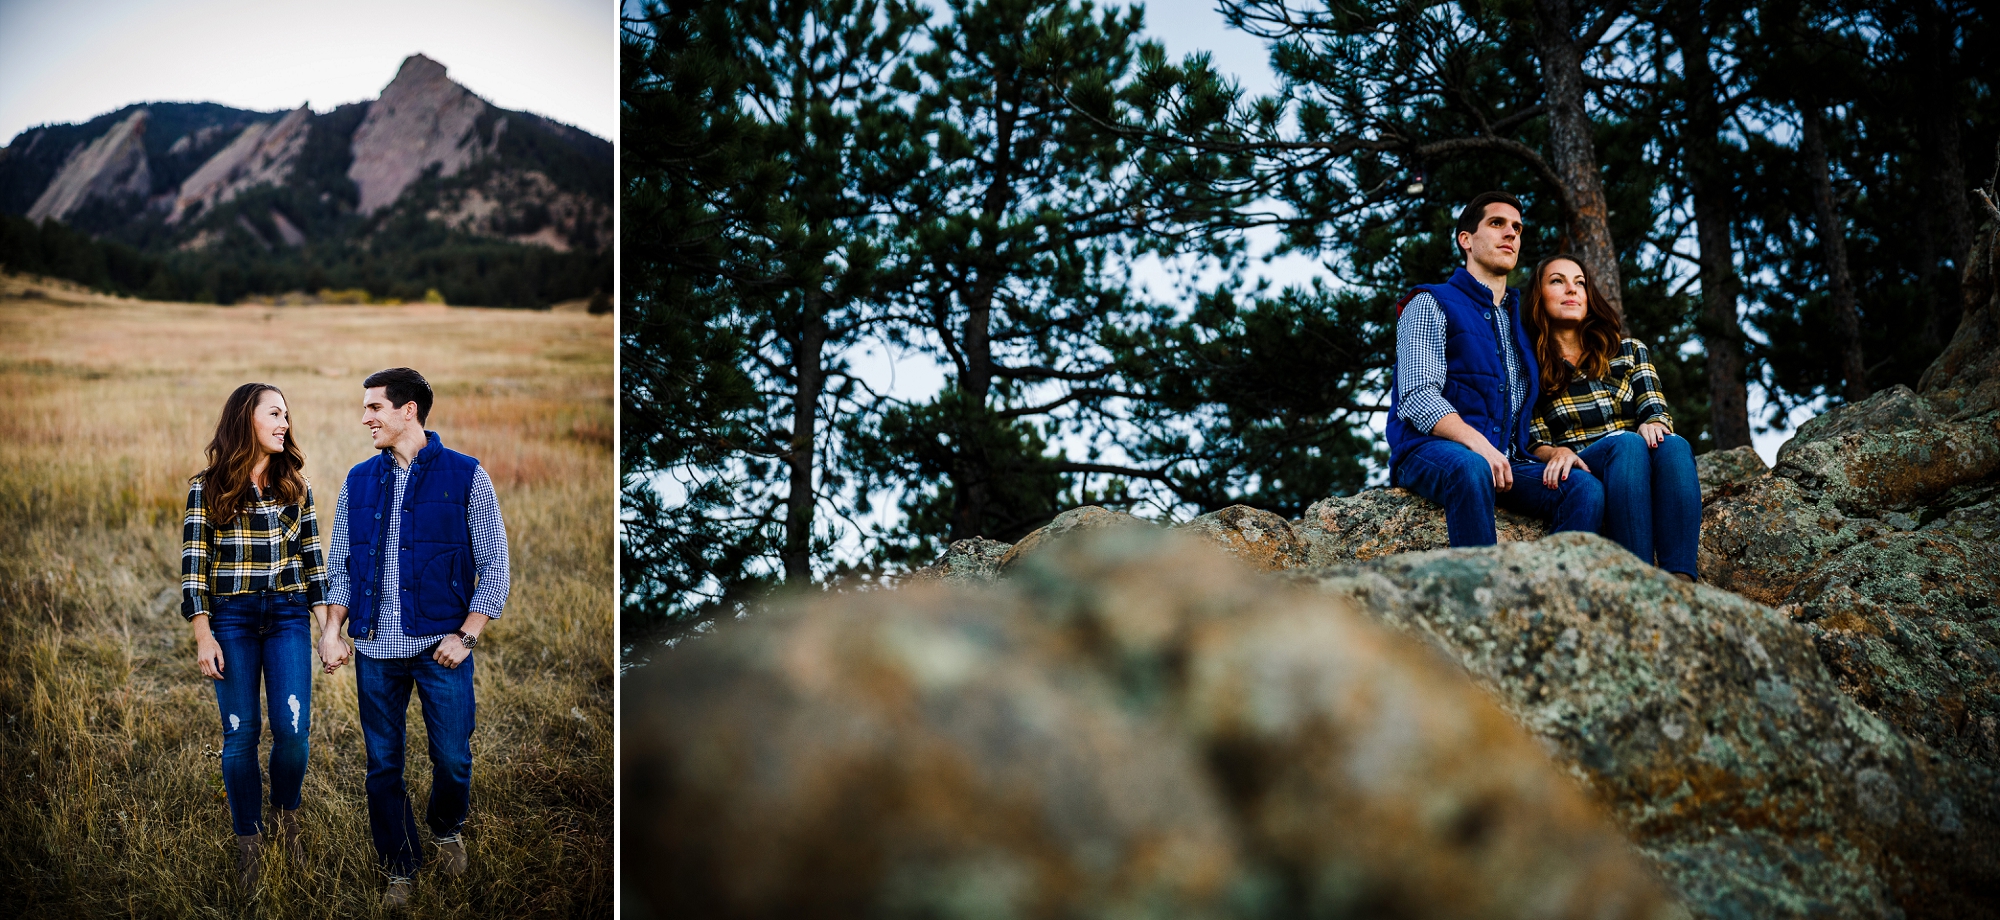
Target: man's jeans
{"x": 1652, "y": 500}
{"x": 1451, "y": 475}
{"x": 264, "y": 636}
{"x": 383, "y": 685}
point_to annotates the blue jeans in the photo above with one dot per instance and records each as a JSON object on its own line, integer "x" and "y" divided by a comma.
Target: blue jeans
{"x": 1652, "y": 500}
{"x": 264, "y": 636}
{"x": 1451, "y": 475}
{"x": 383, "y": 685}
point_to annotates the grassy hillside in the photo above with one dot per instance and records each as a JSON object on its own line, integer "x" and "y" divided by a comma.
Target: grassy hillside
{"x": 115, "y": 805}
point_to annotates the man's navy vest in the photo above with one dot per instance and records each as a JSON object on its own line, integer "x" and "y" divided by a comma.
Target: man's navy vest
{"x": 1475, "y": 380}
{"x": 434, "y": 552}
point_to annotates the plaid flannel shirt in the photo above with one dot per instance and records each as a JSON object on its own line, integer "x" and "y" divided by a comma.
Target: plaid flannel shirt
{"x": 268, "y": 547}
{"x": 1628, "y": 396}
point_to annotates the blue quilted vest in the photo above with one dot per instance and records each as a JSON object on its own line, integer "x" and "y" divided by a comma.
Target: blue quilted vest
{"x": 1475, "y": 371}
{"x": 434, "y": 558}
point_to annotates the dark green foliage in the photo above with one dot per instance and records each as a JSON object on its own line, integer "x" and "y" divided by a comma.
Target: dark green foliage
{"x": 1036, "y": 149}
{"x": 748, "y": 260}
{"x": 1258, "y": 404}
{"x": 953, "y": 443}
{"x": 53, "y": 249}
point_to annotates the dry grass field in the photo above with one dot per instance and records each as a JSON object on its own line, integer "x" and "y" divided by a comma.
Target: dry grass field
{"x": 114, "y": 803}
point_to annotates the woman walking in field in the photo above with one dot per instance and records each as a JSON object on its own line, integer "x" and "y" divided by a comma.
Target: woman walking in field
{"x": 1601, "y": 411}
{"x": 251, "y": 570}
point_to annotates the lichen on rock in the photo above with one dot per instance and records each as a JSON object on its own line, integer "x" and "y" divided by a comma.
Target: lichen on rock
{"x": 1709, "y": 726}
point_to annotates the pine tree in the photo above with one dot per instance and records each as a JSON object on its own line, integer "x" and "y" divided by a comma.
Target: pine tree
{"x": 748, "y": 263}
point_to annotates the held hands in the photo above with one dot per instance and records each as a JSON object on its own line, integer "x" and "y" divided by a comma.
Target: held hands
{"x": 333, "y": 650}
{"x": 451, "y": 652}
{"x": 1560, "y": 462}
{"x": 1654, "y": 433}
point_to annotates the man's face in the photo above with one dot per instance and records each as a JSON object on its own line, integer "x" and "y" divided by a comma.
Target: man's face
{"x": 1496, "y": 245}
{"x": 385, "y": 423}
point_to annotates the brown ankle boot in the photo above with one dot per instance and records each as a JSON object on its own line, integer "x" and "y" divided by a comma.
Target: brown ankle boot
{"x": 249, "y": 861}
{"x": 290, "y": 841}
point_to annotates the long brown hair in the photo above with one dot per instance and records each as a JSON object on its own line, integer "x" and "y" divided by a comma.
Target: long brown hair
{"x": 1601, "y": 330}
{"x": 233, "y": 453}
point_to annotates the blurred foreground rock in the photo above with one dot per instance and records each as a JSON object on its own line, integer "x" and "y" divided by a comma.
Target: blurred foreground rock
{"x": 1127, "y": 725}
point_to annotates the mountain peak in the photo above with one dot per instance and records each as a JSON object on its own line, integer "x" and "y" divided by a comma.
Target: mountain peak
{"x": 423, "y": 119}
{"x": 419, "y": 69}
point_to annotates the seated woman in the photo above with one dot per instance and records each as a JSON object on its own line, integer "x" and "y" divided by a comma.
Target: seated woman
{"x": 1601, "y": 411}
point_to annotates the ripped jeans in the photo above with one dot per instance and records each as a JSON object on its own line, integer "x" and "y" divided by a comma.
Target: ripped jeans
{"x": 267, "y": 637}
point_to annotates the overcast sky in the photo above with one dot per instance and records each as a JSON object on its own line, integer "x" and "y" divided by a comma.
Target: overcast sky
{"x": 70, "y": 61}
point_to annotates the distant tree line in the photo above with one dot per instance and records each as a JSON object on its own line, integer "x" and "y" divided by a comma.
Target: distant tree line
{"x": 1774, "y": 191}
{"x": 405, "y": 259}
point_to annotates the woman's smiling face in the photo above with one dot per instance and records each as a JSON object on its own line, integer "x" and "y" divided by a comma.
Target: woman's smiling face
{"x": 1563, "y": 297}
{"x": 271, "y": 422}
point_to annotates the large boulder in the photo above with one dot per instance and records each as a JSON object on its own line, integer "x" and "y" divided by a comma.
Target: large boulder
{"x": 1129, "y": 724}
{"x": 975, "y": 559}
{"x": 1382, "y": 522}
{"x": 1773, "y": 534}
{"x": 1875, "y": 532}
{"x": 1073, "y": 521}
{"x": 1897, "y": 408}
{"x": 1909, "y": 625}
{"x": 1709, "y": 725}
{"x": 1718, "y": 470}
{"x": 1871, "y": 471}
{"x": 1260, "y": 539}
{"x": 1964, "y": 381}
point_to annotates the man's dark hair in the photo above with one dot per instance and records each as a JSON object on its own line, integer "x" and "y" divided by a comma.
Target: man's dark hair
{"x": 1468, "y": 219}
{"x": 402, "y": 384}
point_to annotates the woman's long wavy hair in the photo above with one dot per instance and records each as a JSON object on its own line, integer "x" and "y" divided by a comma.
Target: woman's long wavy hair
{"x": 233, "y": 453}
{"x": 1602, "y": 329}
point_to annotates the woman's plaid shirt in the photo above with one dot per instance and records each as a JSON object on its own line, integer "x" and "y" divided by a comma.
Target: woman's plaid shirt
{"x": 1628, "y": 396}
{"x": 268, "y": 547}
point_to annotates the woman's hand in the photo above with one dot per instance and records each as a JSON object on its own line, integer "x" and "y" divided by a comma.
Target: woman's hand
{"x": 1654, "y": 433}
{"x": 1560, "y": 461}
{"x": 207, "y": 651}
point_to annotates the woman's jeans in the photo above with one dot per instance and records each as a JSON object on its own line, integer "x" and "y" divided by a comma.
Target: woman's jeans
{"x": 1652, "y": 500}
{"x": 266, "y": 636}
{"x": 384, "y": 685}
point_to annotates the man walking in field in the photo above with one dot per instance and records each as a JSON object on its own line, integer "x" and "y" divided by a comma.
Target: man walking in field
{"x": 417, "y": 568}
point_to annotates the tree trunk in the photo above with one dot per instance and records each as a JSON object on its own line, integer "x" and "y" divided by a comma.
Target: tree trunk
{"x": 1572, "y": 151}
{"x": 972, "y": 469}
{"x": 1709, "y": 185}
{"x": 1833, "y": 248}
{"x": 1938, "y": 111}
{"x": 803, "y": 498}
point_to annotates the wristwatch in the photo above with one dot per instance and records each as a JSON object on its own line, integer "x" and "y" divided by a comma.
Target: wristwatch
{"x": 467, "y": 641}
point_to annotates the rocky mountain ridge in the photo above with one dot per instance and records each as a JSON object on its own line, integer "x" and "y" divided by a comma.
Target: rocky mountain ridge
{"x": 427, "y": 165}
{"x": 1808, "y": 734}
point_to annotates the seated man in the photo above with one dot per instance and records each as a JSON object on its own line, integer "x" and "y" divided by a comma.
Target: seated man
{"x": 1463, "y": 393}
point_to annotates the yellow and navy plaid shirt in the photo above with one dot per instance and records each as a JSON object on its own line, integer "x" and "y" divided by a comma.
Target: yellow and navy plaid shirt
{"x": 268, "y": 547}
{"x": 1627, "y": 396}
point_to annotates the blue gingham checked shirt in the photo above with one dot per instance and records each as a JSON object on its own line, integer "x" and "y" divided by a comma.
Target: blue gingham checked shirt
{"x": 1420, "y": 368}
{"x": 489, "y": 564}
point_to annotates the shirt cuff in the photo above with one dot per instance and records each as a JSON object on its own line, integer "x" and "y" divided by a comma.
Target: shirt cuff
{"x": 1425, "y": 410}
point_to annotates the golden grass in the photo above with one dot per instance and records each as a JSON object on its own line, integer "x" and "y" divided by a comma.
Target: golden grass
{"x": 114, "y": 805}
